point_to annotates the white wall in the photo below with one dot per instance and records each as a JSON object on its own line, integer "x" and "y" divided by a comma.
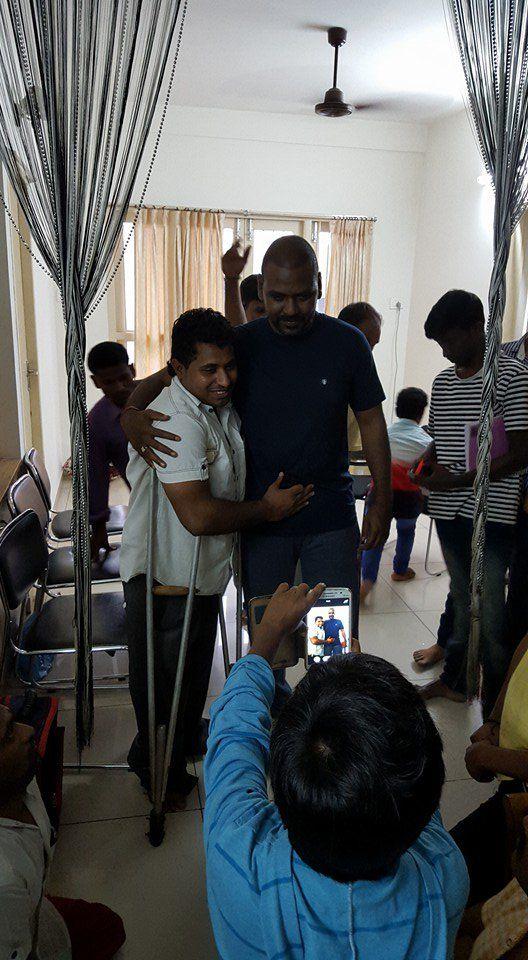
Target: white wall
{"x": 52, "y": 374}
{"x": 454, "y": 243}
{"x": 307, "y": 166}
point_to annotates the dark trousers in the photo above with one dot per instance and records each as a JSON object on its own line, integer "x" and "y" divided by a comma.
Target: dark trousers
{"x": 95, "y": 931}
{"x": 447, "y": 623}
{"x": 455, "y": 539}
{"x": 517, "y": 603}
{"x": 329, "y": 557}
{"x": 482, "y": 838}
{"x": 168, "y": 624}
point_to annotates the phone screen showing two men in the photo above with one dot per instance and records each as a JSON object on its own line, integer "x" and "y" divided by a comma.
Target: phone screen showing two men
{"x": 329, "y": 629}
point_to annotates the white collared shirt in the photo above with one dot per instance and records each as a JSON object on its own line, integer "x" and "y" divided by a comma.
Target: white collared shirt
{"x": 26, "y": 919}
{"x": 212, "y": 449}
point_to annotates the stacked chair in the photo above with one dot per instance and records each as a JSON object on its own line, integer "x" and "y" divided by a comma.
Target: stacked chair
{"x": 33, "y": 566}
{"x": 24, "y": 561}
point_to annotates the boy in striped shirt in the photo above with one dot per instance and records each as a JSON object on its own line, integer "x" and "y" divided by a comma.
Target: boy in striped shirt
{"x": 457, "y": 324}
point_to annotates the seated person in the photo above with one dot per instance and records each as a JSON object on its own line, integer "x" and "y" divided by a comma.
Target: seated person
{"x": 408, "y": 442}
{"x": 335, "y": 636}
{"x": 32, "y": 925}
{"x": 499, "y": 748}
{"x": 498, "y": 928}
{"x": 351, "y": 859}
{"x": 203, "y": 490}
{"x": 112, "y": 373}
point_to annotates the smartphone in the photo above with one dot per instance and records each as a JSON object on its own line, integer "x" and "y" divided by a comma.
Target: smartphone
{"x": 292, "y": 648}
{"x": 326, "y": 632}
{"x": 329, "y": 626}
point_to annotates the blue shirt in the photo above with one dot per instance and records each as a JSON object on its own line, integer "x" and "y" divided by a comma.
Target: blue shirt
{"x": 293, "y": 395}
{"x": 332, "y": 628}
{"x": 265, "y": 902}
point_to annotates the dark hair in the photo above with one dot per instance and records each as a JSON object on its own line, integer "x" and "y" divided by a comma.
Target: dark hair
{"x": 249, "y": 290}
{"x": 356, "y": 767}
{"x": 199, "y": 326}
{"x": 106, "y": 354}
{"x": 456, "y": 309}
{"x": 358, "y": 313}
{"x": 292, "y": 251}
{"x": 411, "y": 403}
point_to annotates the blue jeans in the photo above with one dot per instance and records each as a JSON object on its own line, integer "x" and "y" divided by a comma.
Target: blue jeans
{"x": 329, "y": 557}
{"x": 455, "y": 539}
{"x": 371, "y": 559}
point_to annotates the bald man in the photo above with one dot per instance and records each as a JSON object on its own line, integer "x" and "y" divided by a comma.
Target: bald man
{"x": 299, "y": 371}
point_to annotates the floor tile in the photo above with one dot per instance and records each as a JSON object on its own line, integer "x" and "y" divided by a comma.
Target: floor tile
{"x": 431, "y": 619}
{"x": 456, "y": 722}
{"x": 461, "y": 797}
{"x": 159, "y": 893}
{"x": 424, "y": 593}
{"x": 91, "y": 795}
{"x": 394, "y": 636}
{"x": 382, "y": 599}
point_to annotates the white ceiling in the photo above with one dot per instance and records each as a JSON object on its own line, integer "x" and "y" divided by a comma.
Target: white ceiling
{"x": 273, "y": 56}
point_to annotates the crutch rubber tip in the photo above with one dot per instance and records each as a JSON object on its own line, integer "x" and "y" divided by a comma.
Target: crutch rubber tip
{"x": 156, "y": 828}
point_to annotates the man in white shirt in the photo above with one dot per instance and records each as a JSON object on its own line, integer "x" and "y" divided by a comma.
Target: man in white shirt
{"x": 203, "y": 496}
{"x": 30, "y": 924}
{"x": 408, "y": 442}
{"x": 457, "y": 324}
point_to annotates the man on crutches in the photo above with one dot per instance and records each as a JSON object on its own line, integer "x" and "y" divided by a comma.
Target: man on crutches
{"x": 201, "y": 496}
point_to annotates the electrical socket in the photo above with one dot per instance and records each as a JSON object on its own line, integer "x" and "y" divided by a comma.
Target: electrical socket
{"x": 395, "y": 303}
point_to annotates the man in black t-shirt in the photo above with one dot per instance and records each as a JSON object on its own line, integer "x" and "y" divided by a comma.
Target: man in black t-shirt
{"x": 299, "y": 371}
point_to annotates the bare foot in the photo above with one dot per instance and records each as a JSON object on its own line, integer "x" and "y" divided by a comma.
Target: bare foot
{"x": 365, "y": 589}
{"x": 427, "y": 656}
{"x": 404, "y": 577}
{"x": 439, "y": 689}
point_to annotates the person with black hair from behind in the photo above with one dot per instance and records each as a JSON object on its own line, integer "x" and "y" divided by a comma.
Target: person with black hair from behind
{"x": 351, "y": 858}
{"x": 407, "y": 442}
{"x": 112, "y": 372}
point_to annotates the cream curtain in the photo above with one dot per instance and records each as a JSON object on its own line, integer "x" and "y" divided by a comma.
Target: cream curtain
{"x": 515, "y": 313}
{"x": 177, "y": 267}
{"x": 350, "y": 263}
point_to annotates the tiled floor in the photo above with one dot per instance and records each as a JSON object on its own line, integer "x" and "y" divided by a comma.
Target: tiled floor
{"x": 102, "y": 850}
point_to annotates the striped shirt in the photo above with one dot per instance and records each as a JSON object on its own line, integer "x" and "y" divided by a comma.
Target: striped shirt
{"x": 454, "y": 404}
{"x": 516, "y": 349}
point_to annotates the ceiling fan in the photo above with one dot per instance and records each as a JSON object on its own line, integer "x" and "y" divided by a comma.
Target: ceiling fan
{"x": 334, "y": 104}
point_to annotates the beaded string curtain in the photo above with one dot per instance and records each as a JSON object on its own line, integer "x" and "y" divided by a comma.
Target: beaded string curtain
{"x": 492, "y": 40}
{"x": 79, "y": 85}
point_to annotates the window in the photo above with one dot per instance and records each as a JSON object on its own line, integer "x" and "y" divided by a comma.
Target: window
{"x": 122, "y": 317}
{"x": 260, "y": 231}
{"x": 257, "y": 231}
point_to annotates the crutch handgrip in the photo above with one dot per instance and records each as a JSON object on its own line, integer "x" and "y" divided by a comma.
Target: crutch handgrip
{"x": 164, "y": 590}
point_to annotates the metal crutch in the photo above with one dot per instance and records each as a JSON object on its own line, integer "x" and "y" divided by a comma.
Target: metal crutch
{"x": 161, "y": 740}
{"x": 237, "y": 576}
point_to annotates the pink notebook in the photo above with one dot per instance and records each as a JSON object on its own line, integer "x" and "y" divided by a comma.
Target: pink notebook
{"x": 499, "y": 443}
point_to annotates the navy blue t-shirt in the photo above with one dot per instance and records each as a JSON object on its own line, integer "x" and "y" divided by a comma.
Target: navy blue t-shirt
{"x": 292, "y": 396}
{"x": 332, "y": 628}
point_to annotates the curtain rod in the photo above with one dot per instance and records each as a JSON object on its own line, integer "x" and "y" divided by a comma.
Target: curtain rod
{"x": 255, "y": 215}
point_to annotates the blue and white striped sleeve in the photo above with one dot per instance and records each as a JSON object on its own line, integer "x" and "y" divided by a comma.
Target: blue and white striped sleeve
{"x": 238, "y": 747}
